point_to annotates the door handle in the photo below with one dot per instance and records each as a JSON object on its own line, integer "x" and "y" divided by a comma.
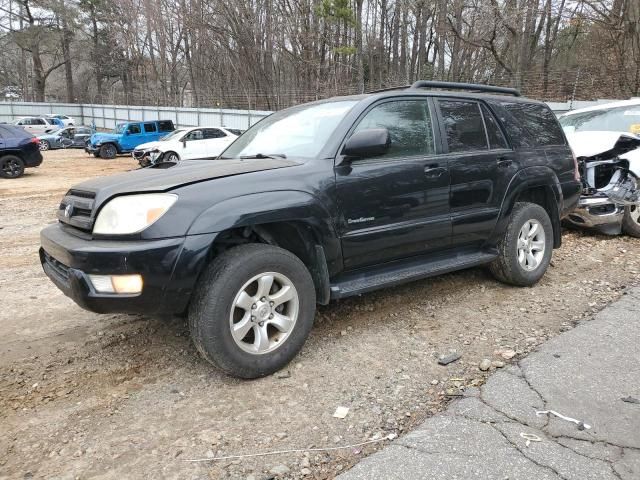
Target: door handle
{"x": 433, "y": 171}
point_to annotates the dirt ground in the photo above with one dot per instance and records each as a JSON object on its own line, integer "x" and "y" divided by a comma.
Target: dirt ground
{"x": 121, "y": 396}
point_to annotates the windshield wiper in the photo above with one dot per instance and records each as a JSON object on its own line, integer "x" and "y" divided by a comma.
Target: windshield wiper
{"x": 262, "y": 155}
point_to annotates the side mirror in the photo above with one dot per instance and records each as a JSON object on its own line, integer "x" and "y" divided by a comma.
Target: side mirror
{"x": 126, "y": 132}
{"x": 368, "y": 143}
{"x": 184, "y": 143}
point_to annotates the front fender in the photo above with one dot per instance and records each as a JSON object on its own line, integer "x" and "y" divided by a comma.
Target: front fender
{"x": 272, "y": 207}
{"x": 525, "y": 179}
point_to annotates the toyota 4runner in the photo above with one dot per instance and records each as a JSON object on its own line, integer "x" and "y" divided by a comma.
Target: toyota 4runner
{"x": 319, "y": 202}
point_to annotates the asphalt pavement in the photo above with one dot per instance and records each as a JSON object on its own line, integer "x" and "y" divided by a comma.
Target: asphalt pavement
{"x": 590, "y": 375}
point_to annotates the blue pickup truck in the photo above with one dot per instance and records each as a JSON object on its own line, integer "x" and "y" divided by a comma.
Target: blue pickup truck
{"x": 126, "y": 137}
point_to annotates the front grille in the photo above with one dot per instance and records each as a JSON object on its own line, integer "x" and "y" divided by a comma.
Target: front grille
{"x": 138, "y": 154}
{"x": 76, "y": 209}
{"x": 60, "y": 269}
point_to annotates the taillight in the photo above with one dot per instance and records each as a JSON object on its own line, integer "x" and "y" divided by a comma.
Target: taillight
{"x": 34, "y": 140}
{"x": 576, "y": 168}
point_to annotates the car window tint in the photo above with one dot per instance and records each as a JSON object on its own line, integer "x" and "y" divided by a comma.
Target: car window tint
{"x": 149, "y": 127}
{"x": 134, "y": 128}
{"x": 463, "y": 126}
{"x": 409, "y": 125}
{"x": 194, "y": 135}
{"x": 210, "y": 133}
{"x": 83, "y": 131}
{"x": 496, "y": 137}
{"x": 538, "y": 121}
{"x": 40, "y": 121}
{"x": 165, "y": 126}
{"x": 235, "y": 131}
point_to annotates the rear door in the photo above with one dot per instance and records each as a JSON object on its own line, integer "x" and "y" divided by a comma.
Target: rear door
{"x": 395, "y": 205}
{"x": 215, "y": 141}
{"x": 481, "y": 164}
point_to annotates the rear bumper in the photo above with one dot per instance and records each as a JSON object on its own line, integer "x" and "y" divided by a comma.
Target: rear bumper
{"x": 599, "y": 213}
{"x": 169, "y": 268}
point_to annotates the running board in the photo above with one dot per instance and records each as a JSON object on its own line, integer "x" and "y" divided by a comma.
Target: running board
{"x": 403, "y": 271}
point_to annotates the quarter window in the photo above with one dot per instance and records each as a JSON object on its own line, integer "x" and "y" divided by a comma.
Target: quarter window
{"x": 463, "y": 126}
{"x": 409, "y": 125}
{"x": 539, "y": 126}
{"x": 496, "y": 137}
{"x": 165, "y": 126}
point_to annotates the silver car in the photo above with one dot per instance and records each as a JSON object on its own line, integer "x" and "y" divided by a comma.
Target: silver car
{"x": 37, "y": 125}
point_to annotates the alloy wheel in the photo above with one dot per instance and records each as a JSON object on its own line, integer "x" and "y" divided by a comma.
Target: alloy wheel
{"x": 531, "y": 245}
{"x": 264, "y": 313}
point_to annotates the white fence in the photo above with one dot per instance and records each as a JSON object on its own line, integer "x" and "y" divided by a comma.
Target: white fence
{"x": 107, "y": 116}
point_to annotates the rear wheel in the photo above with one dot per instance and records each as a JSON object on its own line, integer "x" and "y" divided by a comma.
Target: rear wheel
{"x": 631, "y": 221}
{"x": 44, "y": 145}
{"x": 526, "y": 248}
{"x": 108, "y": 150}
{"x": 253, "y": 310}
{"x": 11, "y": 167}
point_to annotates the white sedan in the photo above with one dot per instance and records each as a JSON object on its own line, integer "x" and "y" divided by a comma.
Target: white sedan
{"x": 186, "y": 144}
{"x": 68, "y": 121}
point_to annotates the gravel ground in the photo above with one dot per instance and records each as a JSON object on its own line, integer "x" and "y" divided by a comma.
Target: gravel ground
{"x": 122, "y": 396}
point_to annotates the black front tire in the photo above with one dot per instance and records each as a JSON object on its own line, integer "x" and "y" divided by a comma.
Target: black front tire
{"x": 11, "y": 167}
{"x": 507, "y": 267}
{"x": 212, "y": 305}
{"x": 108, "y": 151}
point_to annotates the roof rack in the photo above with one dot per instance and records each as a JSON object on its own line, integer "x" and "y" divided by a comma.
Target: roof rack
{"x": 389, "y": 89}
{"x": 465, "y": 86}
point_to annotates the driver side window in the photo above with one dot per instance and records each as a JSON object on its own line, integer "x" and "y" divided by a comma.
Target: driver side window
{"x": 409, "y": 125}
{"x": 134, "y": 129}
{"x": 194, "y": 135}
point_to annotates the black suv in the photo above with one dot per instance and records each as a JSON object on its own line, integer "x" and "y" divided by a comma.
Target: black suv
{"x": 18, "y": 150}
{"x": 318, "y": 202}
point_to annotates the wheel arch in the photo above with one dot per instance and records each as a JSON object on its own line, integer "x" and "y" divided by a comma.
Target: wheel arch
{"x": 292, "y": 220}
{"x": 538, "y": 185}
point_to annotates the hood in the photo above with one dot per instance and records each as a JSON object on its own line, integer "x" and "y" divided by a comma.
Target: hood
{"x": 148, "y": 145}
{"x": 103, "y": 137}
{"x": 604, "y": 145}
{"x": 175, "y": 175}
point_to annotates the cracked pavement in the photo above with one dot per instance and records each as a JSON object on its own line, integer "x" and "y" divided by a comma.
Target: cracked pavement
{"x": 582, "y": 374}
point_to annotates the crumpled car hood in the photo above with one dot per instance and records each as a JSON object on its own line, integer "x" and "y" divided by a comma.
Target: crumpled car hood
{"x": 604, "y": 145}
{"x": 148, "y": 145}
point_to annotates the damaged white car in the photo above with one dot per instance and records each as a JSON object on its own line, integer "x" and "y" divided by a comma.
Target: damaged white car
{"x": 606, "y": 142}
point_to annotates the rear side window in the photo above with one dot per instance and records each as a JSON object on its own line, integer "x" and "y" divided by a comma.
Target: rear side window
{"x": 535, "y": 122}
{"x": 165, "y": 126}
{"x": 495, "y": 135}
{"x": 210, "y": 133}
{"x": 134, "y": 128}
{"x": 150, "y": 127}
{"x": 464, "y": 128}
{"x": 409, "y": 125}
{"x": 235, "y": 131}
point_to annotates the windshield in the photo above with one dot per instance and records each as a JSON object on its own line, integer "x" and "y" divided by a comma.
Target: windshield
{"x": 296, "y": 132}
{"x": 120, "y": 128}
{"x": 174, "y": 134}
{"x": 619, "y": 119}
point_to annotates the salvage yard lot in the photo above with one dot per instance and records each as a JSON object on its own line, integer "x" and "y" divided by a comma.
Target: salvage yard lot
{"x": 126, "y": 396}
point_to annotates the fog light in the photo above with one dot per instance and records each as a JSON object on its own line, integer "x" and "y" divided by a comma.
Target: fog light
{"x": 117, "y": 283}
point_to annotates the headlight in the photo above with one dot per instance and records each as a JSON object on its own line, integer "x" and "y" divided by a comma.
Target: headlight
{"x": 154, "y": 154}
{"x": 132, "y": 213}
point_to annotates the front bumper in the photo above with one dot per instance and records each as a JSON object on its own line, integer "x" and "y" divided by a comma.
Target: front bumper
{"x": 169, "y": 268}
{"x": 597, "y": 212}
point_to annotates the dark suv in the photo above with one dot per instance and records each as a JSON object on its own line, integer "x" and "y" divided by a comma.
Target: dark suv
{"x": 18, "y": 150}
{"x": 318, "y": 202}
